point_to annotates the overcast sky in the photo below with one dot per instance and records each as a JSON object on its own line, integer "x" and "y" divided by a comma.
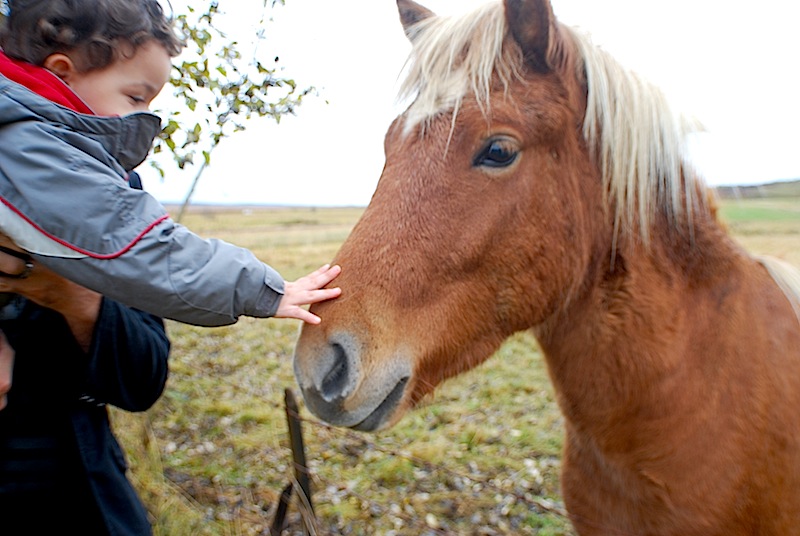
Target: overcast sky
{"x": 733, "y": 65}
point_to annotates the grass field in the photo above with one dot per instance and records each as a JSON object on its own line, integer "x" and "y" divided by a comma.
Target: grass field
{"x": 481, "y": 457}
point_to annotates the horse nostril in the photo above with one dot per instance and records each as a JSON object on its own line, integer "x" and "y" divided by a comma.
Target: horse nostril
{"x": 335, "y": 381}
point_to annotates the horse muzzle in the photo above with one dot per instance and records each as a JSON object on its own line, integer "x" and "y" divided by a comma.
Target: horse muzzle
{"x": 341, "y": 388}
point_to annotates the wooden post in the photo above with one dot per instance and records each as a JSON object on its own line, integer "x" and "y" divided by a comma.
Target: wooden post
{"x": 301, "y": 471}
{"x": 279, "y": 521}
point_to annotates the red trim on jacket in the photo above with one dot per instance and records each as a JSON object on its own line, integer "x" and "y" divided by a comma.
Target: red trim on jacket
{"x": 103, "y": 256}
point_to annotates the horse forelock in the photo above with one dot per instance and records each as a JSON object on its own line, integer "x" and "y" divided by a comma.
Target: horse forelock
{"x": 639, "y": 146}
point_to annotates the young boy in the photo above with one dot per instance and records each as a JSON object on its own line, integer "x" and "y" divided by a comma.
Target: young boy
{"x": 76, "y": 82}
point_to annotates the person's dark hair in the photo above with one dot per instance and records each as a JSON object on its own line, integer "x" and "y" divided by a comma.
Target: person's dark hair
{"x": 92, "y": 32}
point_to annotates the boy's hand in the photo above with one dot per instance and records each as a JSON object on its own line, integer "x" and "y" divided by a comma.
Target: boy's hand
{"x": 78, "y": 305}
{"x": 12, "y": 259}
{"x": 308, "y": 290}
{"x": 6, "y": 369}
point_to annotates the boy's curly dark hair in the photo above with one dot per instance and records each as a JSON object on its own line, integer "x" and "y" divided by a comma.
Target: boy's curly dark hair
{"x": 93, "y": 32}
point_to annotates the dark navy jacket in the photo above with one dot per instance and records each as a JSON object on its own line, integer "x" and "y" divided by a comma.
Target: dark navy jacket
{"x": 61, "y": 468}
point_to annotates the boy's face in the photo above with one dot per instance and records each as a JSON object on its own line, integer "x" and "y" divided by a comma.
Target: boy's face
{"x": 128, "y": 85}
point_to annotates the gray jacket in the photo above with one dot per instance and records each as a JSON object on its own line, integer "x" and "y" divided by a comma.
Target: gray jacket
{"x": 64, "y": 198}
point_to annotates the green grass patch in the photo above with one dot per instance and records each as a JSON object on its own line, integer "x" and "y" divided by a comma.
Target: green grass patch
{"x": 749, "y": 212}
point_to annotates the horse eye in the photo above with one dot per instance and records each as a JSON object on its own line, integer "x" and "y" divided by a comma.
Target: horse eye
{"x": 497, "y": 153}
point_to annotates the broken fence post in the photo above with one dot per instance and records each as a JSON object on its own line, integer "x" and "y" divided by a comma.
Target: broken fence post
{"x": 301, "y": 471}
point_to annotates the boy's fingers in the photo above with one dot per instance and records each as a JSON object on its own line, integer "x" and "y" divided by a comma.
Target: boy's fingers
{"x": 303, "y": 314}
{"x": 310, "y": 318}
{"x": 319, "y": 271}
{"x": 315, "y": 296}
{"x": 325, "y": 275}
{"x": 330, "y": 294}
{"x": 323, "y": 294}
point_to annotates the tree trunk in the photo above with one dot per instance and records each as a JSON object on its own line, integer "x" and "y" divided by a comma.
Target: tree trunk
{"x": 188, "y": 198}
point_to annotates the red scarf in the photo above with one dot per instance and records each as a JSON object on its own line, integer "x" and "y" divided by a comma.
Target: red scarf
{"x": 42, "y": 82}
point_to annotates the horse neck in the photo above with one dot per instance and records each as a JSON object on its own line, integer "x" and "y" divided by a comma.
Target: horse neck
{"x": 612, "y": 348}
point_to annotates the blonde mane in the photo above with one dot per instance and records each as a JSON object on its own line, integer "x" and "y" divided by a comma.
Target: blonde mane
{"x": 638, "y": 140}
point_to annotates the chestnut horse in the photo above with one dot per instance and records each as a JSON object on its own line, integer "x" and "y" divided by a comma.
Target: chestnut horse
{"x": 535, "y": 184}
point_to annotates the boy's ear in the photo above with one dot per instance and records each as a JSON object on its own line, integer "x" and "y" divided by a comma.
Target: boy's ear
{"x": 61, "y": 66}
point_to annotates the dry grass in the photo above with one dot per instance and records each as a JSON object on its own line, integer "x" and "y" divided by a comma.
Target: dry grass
{"x": 212, "y": 456}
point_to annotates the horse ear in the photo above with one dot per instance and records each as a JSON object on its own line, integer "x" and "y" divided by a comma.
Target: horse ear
{"x": 531, "y": 23}
{"x": 412, "y": 13}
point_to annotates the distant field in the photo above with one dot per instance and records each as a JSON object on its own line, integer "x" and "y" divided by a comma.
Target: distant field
{"x": 212, "y": 456}
{"x": 768, "y": 226}
{"x": 786, "y": 189}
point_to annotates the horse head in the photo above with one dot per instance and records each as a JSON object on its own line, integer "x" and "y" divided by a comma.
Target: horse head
{"x": 484, "y": 221}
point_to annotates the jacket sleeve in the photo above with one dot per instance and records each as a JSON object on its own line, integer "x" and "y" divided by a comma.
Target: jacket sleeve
{"x": 173, "y": 273}
{"x": 127, "y": 360}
